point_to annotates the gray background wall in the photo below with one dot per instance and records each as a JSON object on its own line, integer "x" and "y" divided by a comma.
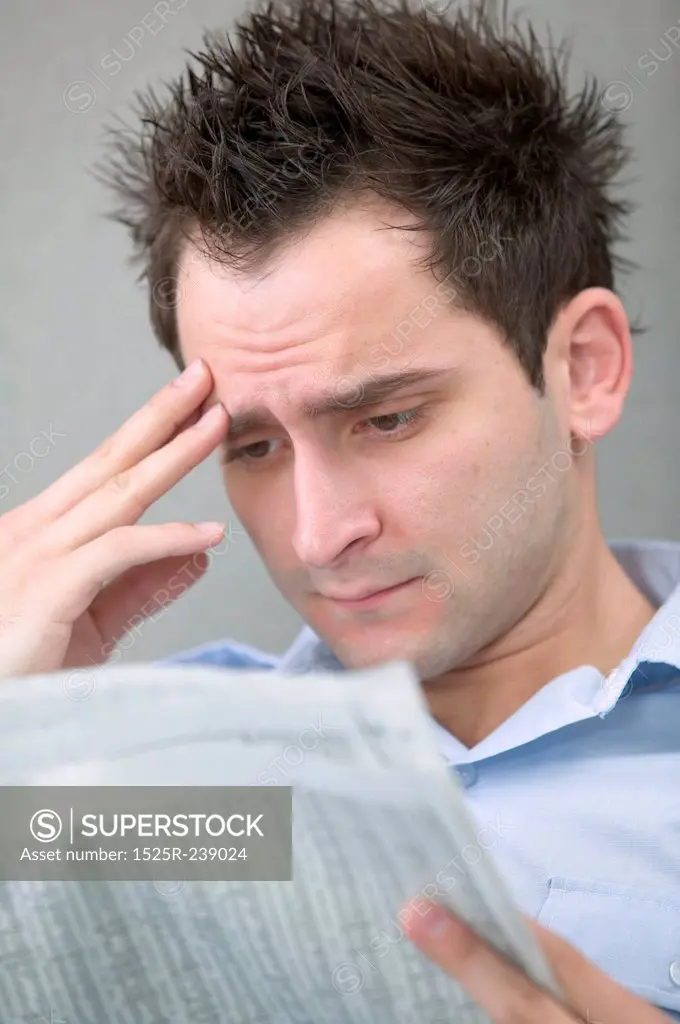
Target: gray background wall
{"x": 77, "y": 352}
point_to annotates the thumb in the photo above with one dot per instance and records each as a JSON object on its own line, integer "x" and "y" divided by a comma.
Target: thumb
{"x": 143, "y": 591}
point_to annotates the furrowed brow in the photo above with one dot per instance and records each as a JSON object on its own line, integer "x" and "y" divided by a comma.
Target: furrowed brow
{"x": 363, "y": 392}
{"x": 369, "y": 390}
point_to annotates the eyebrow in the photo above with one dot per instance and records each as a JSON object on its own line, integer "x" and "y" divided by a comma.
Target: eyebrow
{"x": 370, "y": 390}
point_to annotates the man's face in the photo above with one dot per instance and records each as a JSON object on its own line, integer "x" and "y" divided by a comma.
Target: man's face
{"x": 446, "y": 489}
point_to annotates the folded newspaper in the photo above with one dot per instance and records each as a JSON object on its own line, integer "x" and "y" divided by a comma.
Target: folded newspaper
{"x": 378, "y": 818}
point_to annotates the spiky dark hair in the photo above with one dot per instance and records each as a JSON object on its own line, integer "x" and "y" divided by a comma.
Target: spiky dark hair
{"x": 461, "y": 121}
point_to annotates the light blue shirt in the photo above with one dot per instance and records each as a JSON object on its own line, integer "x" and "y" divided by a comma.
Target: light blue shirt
{"x": 583, "y": 786}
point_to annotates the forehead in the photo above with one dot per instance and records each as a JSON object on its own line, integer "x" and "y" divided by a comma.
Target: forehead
{"x": 352, "y": 297}
{"x": 351, "y": 280}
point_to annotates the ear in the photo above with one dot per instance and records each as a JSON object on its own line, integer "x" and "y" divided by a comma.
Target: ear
{"x": 592, "y": 337}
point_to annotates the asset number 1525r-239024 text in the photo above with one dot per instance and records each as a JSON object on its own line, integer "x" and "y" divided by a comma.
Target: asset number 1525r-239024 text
{"x": 193, "y": 853}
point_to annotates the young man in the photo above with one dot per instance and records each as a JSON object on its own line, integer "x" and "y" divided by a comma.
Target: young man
{"x": 381, "y": 242}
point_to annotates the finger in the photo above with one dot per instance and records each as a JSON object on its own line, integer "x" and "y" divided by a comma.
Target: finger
{"x": 188, "y": 422}
{"x": 127, "y": 495}
{"x": 146, "y": 430}
{"x": 591, "y": 994}
{"x": 499, "y": 988}
{"x": 144, "y": 592}
{"x": 77, "y": 579}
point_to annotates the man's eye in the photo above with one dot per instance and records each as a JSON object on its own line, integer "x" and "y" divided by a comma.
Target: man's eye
{"x": 255, "y": 452}
{"x": 395, "y": 422}
{"x": 392, "y": 424}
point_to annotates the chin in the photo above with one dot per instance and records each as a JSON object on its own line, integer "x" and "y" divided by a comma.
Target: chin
{"x": 413, "y": 635}
{"x": 358, "y": 655}
{"x": 428, "y": 659}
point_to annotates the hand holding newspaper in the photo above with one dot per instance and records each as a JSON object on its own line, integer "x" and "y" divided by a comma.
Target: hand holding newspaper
{"x": 377, "y": 819}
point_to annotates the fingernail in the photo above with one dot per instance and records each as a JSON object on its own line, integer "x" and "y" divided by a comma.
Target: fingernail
{"x": 193, "y": 371}
{"x": 436, "y": 921}
{"x": 211, "y": 417}
{"x": 214, "y": 531}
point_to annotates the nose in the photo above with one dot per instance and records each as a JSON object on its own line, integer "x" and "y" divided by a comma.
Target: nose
{"x": 334, "y": 509}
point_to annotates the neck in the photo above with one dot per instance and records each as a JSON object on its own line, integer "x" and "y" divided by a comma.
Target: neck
{"x": 590, "y": 615}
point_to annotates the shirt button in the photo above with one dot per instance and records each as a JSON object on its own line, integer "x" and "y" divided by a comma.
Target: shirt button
{"x": 467, "y": 775}
{"x": 674, "y": 971}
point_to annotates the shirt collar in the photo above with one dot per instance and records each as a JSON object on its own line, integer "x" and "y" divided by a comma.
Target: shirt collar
{"x": 583, "y": 692}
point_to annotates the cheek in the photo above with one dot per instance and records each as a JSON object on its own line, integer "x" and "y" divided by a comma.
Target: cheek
{"x": 502, "y": 492}
{"x": 455, "y": 486}
{"x": 443, "y": 480}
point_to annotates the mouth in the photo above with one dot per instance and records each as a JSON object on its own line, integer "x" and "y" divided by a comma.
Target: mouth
{"x": 368, "y": 598}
